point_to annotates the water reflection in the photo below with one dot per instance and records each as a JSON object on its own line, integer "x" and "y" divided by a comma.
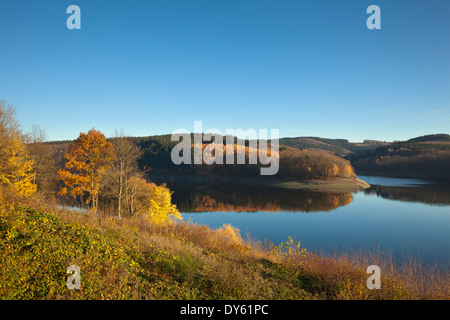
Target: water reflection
{"x": 213, "y": 197}
{"x": 431, "y": 193}
{"x": 366, "y": 220}
{"x": 393, "y": 182}
{"x": 242, "y": 198}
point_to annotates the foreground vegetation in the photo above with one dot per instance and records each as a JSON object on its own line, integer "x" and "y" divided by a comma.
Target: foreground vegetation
{"x": 137, "y": 258}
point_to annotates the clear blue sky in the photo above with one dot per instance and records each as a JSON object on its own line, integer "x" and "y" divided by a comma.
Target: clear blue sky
{"x": 307, "y": 68}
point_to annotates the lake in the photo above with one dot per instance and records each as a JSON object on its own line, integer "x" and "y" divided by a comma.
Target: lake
{"x": 405, "y": 216}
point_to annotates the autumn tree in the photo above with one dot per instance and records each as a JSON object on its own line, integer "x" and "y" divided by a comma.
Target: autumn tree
{"x": 8, "y": 127}
{"x": 310, "y": 164}
{"x": 16, "y": 167}
{"x": 160, "y": 207}
{"x": 151, "y": 201}
{"x": 88, "y": 158}
{"x": 117, "y": 179}
{"x": 43, "y": 156}
{"x": 17, "y": 171}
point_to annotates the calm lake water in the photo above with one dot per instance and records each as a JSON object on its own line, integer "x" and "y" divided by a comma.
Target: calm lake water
{"x": 404, "y": 216}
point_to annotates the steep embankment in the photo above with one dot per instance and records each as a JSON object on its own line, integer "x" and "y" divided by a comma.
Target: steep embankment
{"x": 135, "y": 258}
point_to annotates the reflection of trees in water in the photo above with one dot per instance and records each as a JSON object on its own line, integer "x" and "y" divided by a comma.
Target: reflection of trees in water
{"x": 240, "y": 198}
{"x": 428, "y": 193}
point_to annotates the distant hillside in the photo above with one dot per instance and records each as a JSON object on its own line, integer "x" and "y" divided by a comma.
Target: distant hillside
{"x": 441, "y": 137}
{"x": 294, "y": 163}
{"x": 339, "y": 147}
{"x": 426, "y": 157}
{"x": 336, "y": 146}
{"x": 421, "y": 157}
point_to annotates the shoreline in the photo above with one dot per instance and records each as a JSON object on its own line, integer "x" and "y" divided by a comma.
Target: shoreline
{"x": 317, "y": 185}
{"x": 436, "y": 178}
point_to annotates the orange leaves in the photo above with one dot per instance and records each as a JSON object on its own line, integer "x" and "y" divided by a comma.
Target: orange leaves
{"x": 88, "y": 158}
{"x": 76, "y": 184}
{"x": 90, "y": 152}
{"x": 311, "y": 164}
{"x": 348, "y": 171}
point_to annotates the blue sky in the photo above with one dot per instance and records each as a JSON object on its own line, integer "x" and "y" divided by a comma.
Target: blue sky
{"x": 307, "y": 68}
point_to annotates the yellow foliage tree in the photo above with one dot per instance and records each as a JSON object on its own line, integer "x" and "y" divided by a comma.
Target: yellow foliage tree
{"x": 160, "y": 205}
{"x": 88, "y": 158}
{"x": 151, "y": 201}
{"x": 16, "y": 167}
{"x": 348, "y": 171}
{"x": 17, "y": 171}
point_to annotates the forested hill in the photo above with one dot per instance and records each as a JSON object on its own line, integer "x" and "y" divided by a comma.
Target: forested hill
{"x": 339, "y": 147}
{"x": 441, "y": 137}
{"x": 294, "y": 163}
{"x": 421, "y": 157}
{"x": 426, "y": 157}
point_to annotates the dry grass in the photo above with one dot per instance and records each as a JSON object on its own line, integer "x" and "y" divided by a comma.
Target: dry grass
{"x": 344, "y": 276}
{"x": 232, "y": 267}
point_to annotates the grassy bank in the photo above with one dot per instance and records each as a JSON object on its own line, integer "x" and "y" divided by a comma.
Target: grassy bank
{"x": 134, "y": 258}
